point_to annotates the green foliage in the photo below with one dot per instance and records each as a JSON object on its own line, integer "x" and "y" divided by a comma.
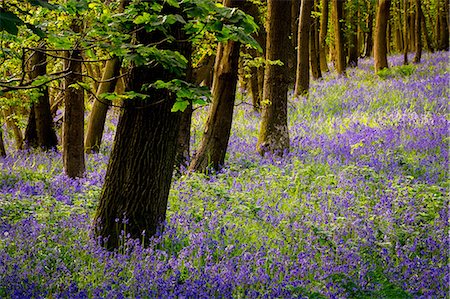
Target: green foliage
{"x": 397, "y": 71}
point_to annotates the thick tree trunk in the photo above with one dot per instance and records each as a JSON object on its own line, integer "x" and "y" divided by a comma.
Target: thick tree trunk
{"x": 97, "y": 118}
{"x": 380, "y": 46}
{"x": 274, "y": 134}
{"x": 73, "y": 127}
{"x": 323, "y": 36}
{"x": 339, "y": 36}
{"x": 213, "y": 147}
{"x": 418, "y": 32}
{"x": 142, "y": 161}
{"x": 45, "y": 133}
{"x": 313, "y": 47}
{"x": 302, "y": 78}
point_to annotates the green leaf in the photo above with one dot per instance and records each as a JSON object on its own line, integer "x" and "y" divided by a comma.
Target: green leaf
{"x": 42, "y": 4}
{"x": 9, "y": 22}
{"x": 180, "y": 106}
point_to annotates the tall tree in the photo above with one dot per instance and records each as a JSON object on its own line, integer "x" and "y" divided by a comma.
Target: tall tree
{"x": 352, "y": 29}
{"x": 302, "y": 77}
{"x": 338, "y": 13}
{"x": 314, "y": 45}
{"x": 142, "y": 161}
{"x": 380, "y": 45}
{"x": 405, "y": 31}
{"x": 368, "y": 47}
{"x": 323, "y": 36}
{"x": 73, "y": 126}
{"x": 274, "y": 134}
{"x": 96, "y": 122}
{"x": 2, "y": 144}
{"x": 40, "y": 114}
{"x": 418, "y": 32}
{"x": 214, "y": 144}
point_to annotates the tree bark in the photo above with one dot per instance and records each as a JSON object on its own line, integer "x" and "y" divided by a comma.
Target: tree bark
{"x": 323, "y": 36}
{"x": 313, "y": 47}
{"x": 274, "y": 134}
{"x": 97, "y": 118}
{"x": 2, "y": 145}
{"x": 443, "y": 15}
{"x": 339, "y": 36}
{"x": 302, "y": 78}
{"x": 369, "y": 35}
{"x": 429, "y": 43}
{"x": 380, "y": 46}
{"x": 73, "y": 127}
{"x": 45, "y": 133}
{"x": 293, "y": 51}
{"x": 405, "y": 32}
{"x": 30, "y": 136}
{"x": 142, "y": 161}
{"x": 8, "y": 113}
{"x": 418, "y": 32}
{"x": 213, "y": 147}
{"x": 353, "y": 52}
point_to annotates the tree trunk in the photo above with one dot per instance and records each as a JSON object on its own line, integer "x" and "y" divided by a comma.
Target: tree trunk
{"x": 339, "y": 35}
{"x": 369, "y": 36}
{"x": 323, "y": 36}
{"x": 353, "y": 36}
{"x": 295, "y": 21}
{"x": 274, "y": 134}
{"x": 213, "y": 147}
{"x": 31, "y": 138}
{"x": 380, "y": 46}
{"x": 2, "y": 145}
{"x": 428, "y": 42}
{"x": 8, "y": 113}
{"x": 405, "y": 32}
{"x": 313, "y": 47}
{"x": 418, "y": 32}
{"x": 302, "y": 78}
{"x": 183, "y": 157}
{"x": 142, "y": 161}
{"x": 443, "y": 25}
{"x": 97, "y": 118}
{"x": 45, "y": 133}
{"x": 73, "y": 127}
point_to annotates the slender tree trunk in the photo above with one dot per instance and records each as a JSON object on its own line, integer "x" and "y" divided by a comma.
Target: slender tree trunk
{"x": 353, "y": 37}
{"x": 97, "y": 118}
{"x": 380, "y": 46}
{"x": 274, "y": 134}
{"x": 418, "y": 32}
{"x": 213, "y": 147}
{"x": 2, "y": 145}
{"x": 313, "y": 46}
{"x": 338, "y": 6}
{"x": 369, "y": 36}
{"x": 302, "y": 78}
{"x": 405, "y": 32}
{"x": 45, "y": 133}
{"x": 30, "y": 137}
{"x": 8, "y": 113}
{"x": 295, "y": 21}
{"x": 443, "y": 25}
{"x": 183, "y": 157}
{"x": 203, "y": 72}
{"x": 73, "y": 127}
{"x": 428, "y": 41}
{"x": 323, "y": 36}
